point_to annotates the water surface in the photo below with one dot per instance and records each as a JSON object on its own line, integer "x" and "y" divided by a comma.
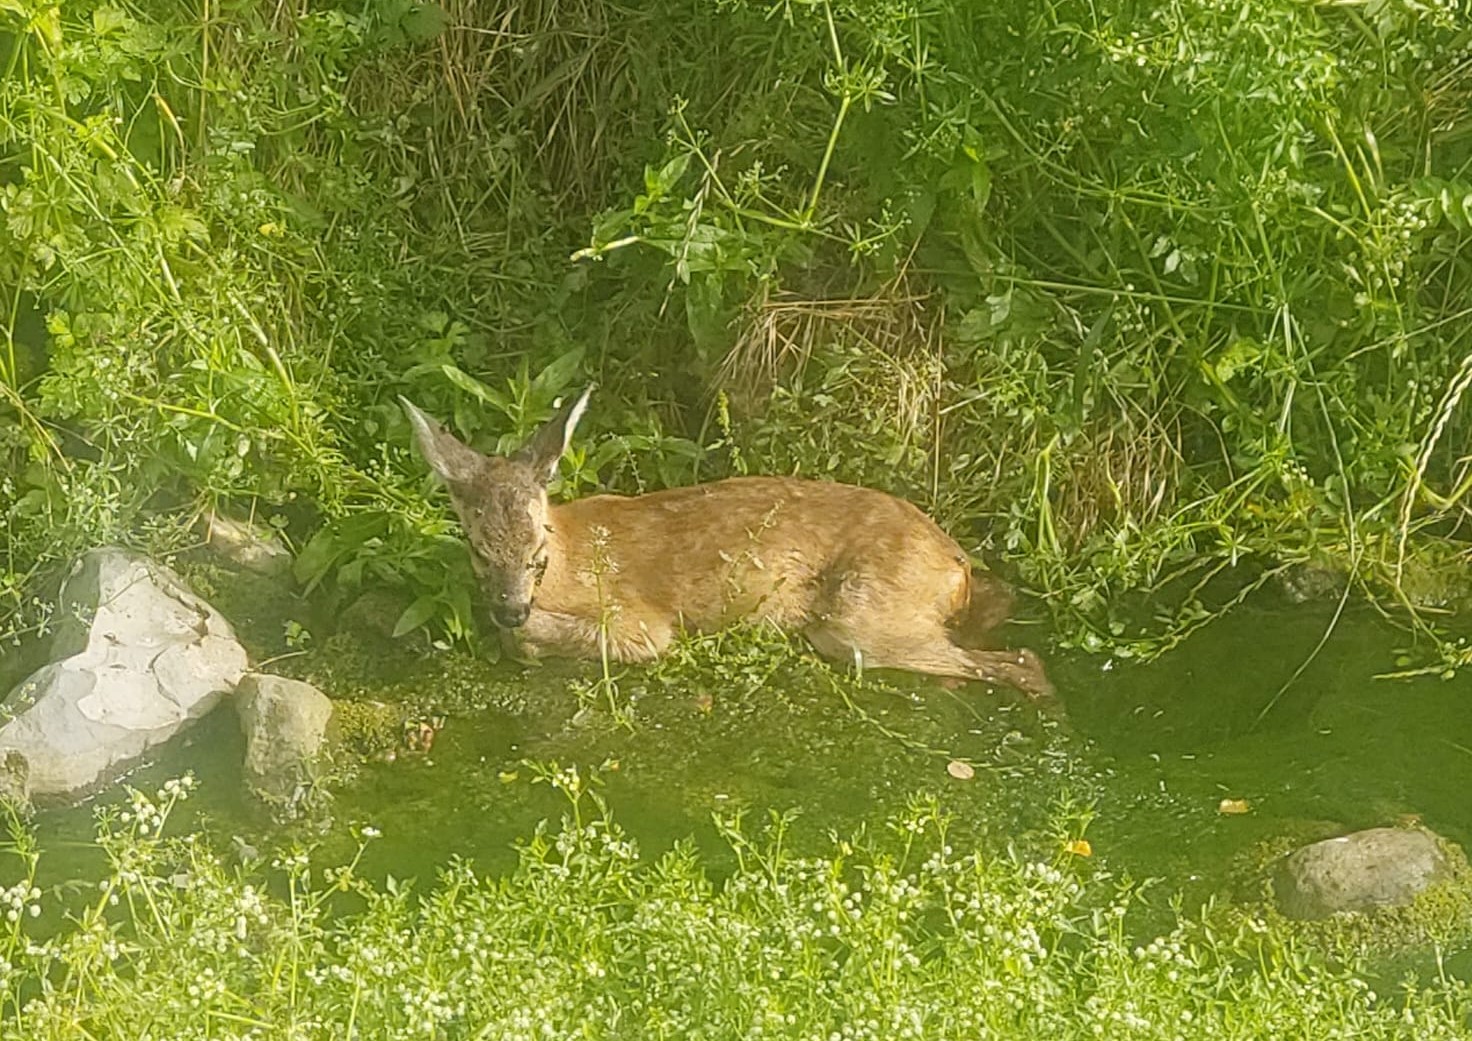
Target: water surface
{"x": 1152, "y": 750}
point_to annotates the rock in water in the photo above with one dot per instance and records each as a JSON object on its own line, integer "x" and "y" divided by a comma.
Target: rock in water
{"x": 1380, "y": 867}
{"x": 138, "y": 658}
{"x": 285, "y": 723}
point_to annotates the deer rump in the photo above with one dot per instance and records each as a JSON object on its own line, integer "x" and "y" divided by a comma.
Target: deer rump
{"x": 864, "y": 576}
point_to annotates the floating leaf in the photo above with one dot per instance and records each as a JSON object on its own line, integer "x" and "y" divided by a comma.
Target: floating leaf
{"x": 1233, "y": 807}
{"x": 960, "y": 770}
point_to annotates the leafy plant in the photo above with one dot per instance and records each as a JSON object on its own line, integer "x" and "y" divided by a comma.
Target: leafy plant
{"x": 892, "y": 934}
{"x": 1151, "y": 301}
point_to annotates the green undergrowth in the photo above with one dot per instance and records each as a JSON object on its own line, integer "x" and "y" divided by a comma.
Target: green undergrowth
{"x": 892, "y": 934}
{"x": 1144, "y": 302}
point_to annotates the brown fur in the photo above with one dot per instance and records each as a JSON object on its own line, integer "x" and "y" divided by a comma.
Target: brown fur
{"x": 865, "y": 577}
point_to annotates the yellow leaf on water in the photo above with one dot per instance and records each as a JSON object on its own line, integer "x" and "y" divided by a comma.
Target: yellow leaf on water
{"x": 961, "y": 771}
{"x": 1234, "y": 807}
{"x": 506, "y": 776}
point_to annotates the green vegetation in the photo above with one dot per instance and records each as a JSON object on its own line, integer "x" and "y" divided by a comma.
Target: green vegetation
{"x": 1149, "y": 299}
{"x": 894, "y": 936}
{"x": 1148, "y": 303}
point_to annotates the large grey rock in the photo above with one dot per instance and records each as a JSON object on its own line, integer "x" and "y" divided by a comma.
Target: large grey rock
{"x": 137, "y": 658}
{"x": 1380, "y": 867}
{"x": 285, "y": 724}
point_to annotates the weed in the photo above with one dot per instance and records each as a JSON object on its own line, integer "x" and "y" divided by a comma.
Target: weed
{"x": 1148, "y": 299}
{"x": 891, "y": 935}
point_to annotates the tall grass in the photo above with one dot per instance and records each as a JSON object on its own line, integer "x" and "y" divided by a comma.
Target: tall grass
{"x": 1132, "y": 294}
{"x": 1200, "y": 280}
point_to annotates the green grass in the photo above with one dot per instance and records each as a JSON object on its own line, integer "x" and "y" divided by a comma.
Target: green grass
{"x": 892, "y": 935}
{"x": 1147, "y": 300}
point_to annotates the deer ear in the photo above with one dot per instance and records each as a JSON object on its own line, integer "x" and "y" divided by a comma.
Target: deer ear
{"x": 452, "y": 460}
{"x": 544, "y": 449}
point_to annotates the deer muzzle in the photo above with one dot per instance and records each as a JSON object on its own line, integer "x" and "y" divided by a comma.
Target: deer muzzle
{"x": 510, "y": 616}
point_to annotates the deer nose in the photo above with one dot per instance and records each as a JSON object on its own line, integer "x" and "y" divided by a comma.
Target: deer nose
{"x": 510, "y": 616}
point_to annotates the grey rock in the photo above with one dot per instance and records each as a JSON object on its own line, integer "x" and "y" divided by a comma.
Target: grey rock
{"x": 15, "y": 776}
{"x": 1313, "y": 581}
{"x": 137, "y": 659}
{"x": 285, "y": 724}
{"x": 249, "y": 545}
{"x": 1379, "y": 867}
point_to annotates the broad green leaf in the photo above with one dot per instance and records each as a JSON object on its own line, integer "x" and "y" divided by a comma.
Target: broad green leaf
{"x": 553, "y": 379}
{"x": 476, "y": 388}
{"x": 415, "y": 615}
{"x": 108, "y": 19}
{"x": 332, "y": 542}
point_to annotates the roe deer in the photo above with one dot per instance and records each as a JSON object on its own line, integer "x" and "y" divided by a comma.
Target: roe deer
{"x": 865, "y": 577}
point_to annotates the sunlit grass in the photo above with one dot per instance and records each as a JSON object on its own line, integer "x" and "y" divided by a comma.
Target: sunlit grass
{"x": 897, "y": 935}
{"x": 1130, "y": 295}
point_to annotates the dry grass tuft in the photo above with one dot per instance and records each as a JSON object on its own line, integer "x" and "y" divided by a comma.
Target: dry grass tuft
{"x": 779, "y": 335}
{"x": 1123, "y": 479}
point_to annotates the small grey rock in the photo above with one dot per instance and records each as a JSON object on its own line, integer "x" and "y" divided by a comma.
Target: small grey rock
{"x": 1379, "y": 867}
{"x": 249, "y": 545}
{"x": 285, "y": 724}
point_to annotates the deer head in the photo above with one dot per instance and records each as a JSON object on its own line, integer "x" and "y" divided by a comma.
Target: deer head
{"x": 502, "y": 503}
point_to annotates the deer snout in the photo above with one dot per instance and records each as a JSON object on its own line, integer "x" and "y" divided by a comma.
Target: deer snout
{"x": 510, "y": 615}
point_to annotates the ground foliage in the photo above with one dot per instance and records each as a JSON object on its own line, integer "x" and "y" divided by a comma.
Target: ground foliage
{"x": 1128, "y": 294}
{"x": 890, "y": 935}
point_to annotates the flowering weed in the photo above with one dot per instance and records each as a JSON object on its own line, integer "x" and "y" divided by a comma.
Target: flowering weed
{"x": 900, "y": 936}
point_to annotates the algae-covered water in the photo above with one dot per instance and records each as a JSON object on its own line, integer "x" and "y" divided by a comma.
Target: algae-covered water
{"x": 750, "y": 725}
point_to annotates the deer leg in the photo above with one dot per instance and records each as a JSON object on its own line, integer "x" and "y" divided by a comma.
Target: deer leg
{"x": 549, "y": 634}
{"x": 635, "y": 639}
{"x": 932, "y": 652}
{"x": 572, "y": 636}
